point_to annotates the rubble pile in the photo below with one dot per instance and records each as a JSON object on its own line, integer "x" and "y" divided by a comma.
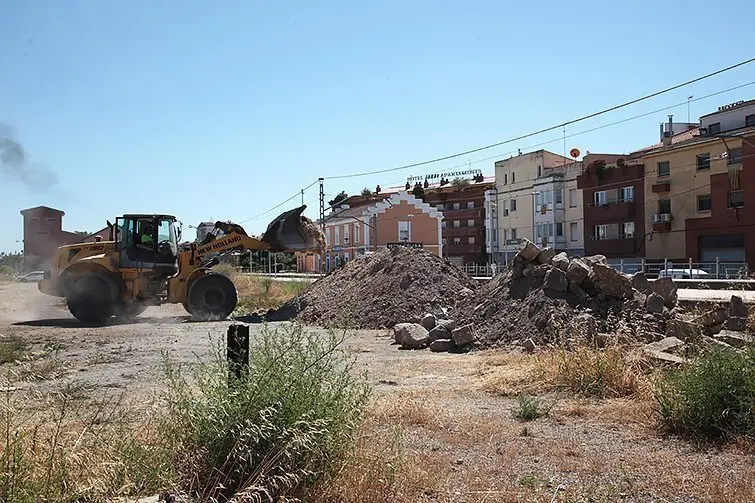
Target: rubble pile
{"x": 547, "y": 298}
{"x": 435, "y": 331}
{"x": 380, "y": 290}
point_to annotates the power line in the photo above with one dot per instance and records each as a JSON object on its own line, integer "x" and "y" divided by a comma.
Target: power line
{"x": 298, "y": 194}
{"x": 551, "y": 128}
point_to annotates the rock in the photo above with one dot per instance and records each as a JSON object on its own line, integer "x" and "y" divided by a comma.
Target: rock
{"x": 665, "y": 344}
{"x": 596, "y": 259}
{"x": 640, "y": 283}
{"x": 448, "y": 324}
{"x": 440, "y": 313}
{"x": 528, "y": 250}
{"x": 666, "y": 357}
{"x": 712, "y": 317}
{"x": 666, "y": 288}
{"x": 535, "y": 271}
{"x": 654, "y": 303}
{"x": 736, "y": 323}
{"x": 442, "y": 345}
{"x": 439, "y": 332}
{"x": 529, "y": 346}
{"x": 428, "y": 321}
{"x": 411, "y": 335}
{"x": 546, "y": 256}
{"x": 586, "y": 325}
{"x": 466, "y": 293}
{"x": 611, "y": 282}
{"x": 555, "y": 279}
{"x": 714, "y": 329}
{"x": 737, "y": 307}
{"x": 578, "y": 271}
{"x": 684, "y": 330}
{"x": 577, "y": 291}
{"x": 463, "y": 335}
{"x": 733, "y": 338}
{"x": 518, "y": 265}
{"x": 561, "y": 261}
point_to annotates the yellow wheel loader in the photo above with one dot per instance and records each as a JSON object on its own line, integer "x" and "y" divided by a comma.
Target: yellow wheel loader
{"x": 141, "y": 265}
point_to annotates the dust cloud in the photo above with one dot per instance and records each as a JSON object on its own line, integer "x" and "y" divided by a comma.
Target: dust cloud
{"x": 15, "y": 163}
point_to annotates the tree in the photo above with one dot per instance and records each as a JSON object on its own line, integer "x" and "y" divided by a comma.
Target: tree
{"x": 459, "y": 183}
{"x": 11, "y": 261}
{"x": 340, "y": 197}
{"x": 418, "y": 191}
{"x": 366, "y": 192}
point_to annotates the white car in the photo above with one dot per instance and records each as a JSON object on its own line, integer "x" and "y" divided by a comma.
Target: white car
{"x": 685, "y": 273}
{"x": 34, "y": 276}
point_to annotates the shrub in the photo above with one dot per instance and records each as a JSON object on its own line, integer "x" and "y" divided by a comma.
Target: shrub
{"x": 529, "y": 408}
{"x": 712, "y": 398}
{"x": 278, "y": 430}
{"x": 601, "y": 374}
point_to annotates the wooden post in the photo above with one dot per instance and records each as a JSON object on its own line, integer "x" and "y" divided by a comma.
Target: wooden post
{"x": 237, "y": 350}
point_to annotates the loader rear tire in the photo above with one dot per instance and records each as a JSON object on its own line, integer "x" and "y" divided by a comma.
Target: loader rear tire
{"x": 212, "y": 297}
{"x": 90, "y": 298}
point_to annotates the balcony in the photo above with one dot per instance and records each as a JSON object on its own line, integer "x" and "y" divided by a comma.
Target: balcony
{"x": 662, "y": 187}
{"x": 461, "y": 213}
{"x": 463, "y": 248}
{"x": 662, "y": 222}
{"x": 611, "y": 211}
{"x": 462, "y": 231}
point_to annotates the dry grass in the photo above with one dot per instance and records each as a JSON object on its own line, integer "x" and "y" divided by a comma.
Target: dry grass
{"x": 260, "y": 293}
{"x": 12, "y": 349}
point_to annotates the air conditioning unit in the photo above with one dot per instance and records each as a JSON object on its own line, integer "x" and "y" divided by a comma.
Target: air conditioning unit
{"x": 659, "y": 218}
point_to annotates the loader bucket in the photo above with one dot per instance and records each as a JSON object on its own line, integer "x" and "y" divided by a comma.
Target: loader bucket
{"x": 291, "y": 231}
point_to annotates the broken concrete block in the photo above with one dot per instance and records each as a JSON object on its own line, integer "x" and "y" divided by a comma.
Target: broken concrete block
{"x": 737, "y": 307}
{"x": 561, "y": 261}
{"x": 528, "y": 250}
{"x": 442, "y": 345}
{"x": 640, "y": 283}
{"x": 736, "y": 323}
{"x": 439, "y": 332}
{"x": 578, "y": 271}
{"x": 611, "y": 282}
{"x": 665, "y": 344}
{"x": 577, "y": 291}
{"x": 596, "y": 259}
{"x": 654, "y": 303}
{"x": 684, "y": 330}
{"x": 666, "y": 357}
{"x": 411, "y": 335}
{"x": 518, "y": 265}
{"x": 428, "y": 321}
{"x": 463, "y": 335}
{"x": 448, "y": 324}
{"x": 735, "y": 339}
{"x": 535, "y": 271}
{"x": 666, "y": 288}
{"x": 712, "y": 317}
{"x": 546, "y": 256}
{"x": 555, "y": 279}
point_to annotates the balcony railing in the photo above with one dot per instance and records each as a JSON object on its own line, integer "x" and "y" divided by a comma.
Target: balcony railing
{"x": 662, "y": 222}
{"x": 661, "y": 187}
{"x": 628, "y": 200}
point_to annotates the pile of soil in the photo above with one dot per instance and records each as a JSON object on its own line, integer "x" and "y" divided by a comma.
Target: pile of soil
{"x": 380, "y": 290}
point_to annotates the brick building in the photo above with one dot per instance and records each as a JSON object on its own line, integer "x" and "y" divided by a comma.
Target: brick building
{"x": 43, "y": 234}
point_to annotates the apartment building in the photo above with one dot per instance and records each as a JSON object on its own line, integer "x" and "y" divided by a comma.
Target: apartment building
{"x": 613, "y": 190}
{"x": 695, "y": 187}
{"x": 535, "y": 197}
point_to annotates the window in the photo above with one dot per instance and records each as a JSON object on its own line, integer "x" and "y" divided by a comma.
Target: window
{"x": 714, "y": 128}
{"x": 443, "y": 224}
{"x": 34, "y": 220}
{"x": 404, "y": 231}
{"x": 457, "y": 223}
{"x": 457, "y": 241}
{"x": 338, "y": 235}
{"x": 471, "y": 240}
{"x": 439, "y": 206}
{"x": 703, "y": 161}
{"x": 470, "y": 222}
{"x": 626, "y": 194}
{"x": 750, "y": 120}
{"x": 664, "y": 168}
{"x": 573, "y": 230}
{"x": 346, "y": 234}
{"x": 572, "y": 198}
{"x": 735, "y": 156}
{"x": 51, "y": 220}
{"x": 559, "y": 195}
{"x": 457, "y": 206}
{"x": 600, "y": 232}
{"x": 513, "y": 234}
{"x": 470, "y": 205}
{"x": 664, "y": 206}
{"x": 357, "y": 233}
{"x": 513, "y": 205}
{"x": 627, "y": 230}
{"x": 513, "y": 177}
{"x": 43, "y": 233}
{"x": 559, "y": 229}
{"x": 539, "y": 171}
{"x": 328, "y": 233}
{"x": 599, "y": 198}
{"x": 736, "y": 198}
{"x": 703, "y": 203}
{"x": 505, "y": 178}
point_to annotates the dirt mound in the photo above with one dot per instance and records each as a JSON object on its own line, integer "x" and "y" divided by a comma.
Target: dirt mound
{"x": 380, "y": 290}
{"x": 556, "y": 300}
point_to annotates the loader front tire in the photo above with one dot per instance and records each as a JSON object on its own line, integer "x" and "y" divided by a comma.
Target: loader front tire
{"x": 212, "y": 297}
{"x": 89, "y": 298}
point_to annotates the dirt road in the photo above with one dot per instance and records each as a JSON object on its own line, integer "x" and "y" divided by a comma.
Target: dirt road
{"x": 453, "y": 412}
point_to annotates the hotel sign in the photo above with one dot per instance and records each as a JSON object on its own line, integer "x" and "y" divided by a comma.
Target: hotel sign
{"x": 438, "y": 176}
{"x": 404, "y": 244}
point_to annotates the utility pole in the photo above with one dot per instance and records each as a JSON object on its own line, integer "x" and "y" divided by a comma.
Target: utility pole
{"x": 302, "y": 197}
{"x": 322, "y": 220}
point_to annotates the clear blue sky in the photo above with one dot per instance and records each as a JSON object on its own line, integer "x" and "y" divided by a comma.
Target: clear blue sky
{"x": 220, "y": 110}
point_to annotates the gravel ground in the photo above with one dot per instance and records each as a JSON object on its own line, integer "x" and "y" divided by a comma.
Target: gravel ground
{"x": 461, "y": 436}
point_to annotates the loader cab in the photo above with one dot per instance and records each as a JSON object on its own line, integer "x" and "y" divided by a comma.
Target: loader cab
{"x": 148, "y": 242}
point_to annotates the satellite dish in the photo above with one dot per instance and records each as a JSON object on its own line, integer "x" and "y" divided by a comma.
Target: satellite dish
{"x": 574, "y": 153}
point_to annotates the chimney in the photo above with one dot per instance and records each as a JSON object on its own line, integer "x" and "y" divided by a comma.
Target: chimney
{"x": 671, "y": 124}
{"x": 661, "y": 126}
{"x": 666, "y": 138}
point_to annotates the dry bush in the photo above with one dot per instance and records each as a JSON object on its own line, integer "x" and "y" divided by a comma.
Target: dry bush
{"x": 509, "y": 374}
{"x": 261, "y": 292}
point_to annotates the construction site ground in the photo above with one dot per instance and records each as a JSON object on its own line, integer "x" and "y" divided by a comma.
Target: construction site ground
{"x": 452, "y": 412}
